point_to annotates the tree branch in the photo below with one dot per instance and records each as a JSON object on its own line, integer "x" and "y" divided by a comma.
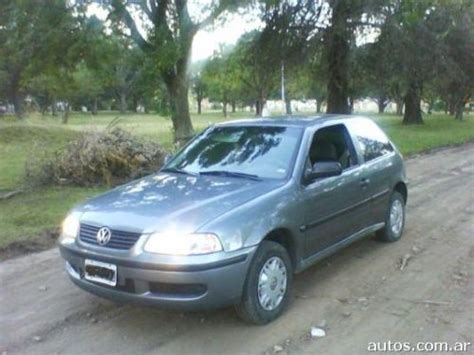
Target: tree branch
{"x": 218, "y": 10}
{"x": 122, "y": 11}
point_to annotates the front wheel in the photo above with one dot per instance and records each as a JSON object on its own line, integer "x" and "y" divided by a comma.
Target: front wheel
{"x": 267, "y": 288}
{"x": 394, "y": 219}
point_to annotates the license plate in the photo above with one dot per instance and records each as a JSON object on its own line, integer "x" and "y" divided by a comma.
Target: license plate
{"x": 100, "y": 272}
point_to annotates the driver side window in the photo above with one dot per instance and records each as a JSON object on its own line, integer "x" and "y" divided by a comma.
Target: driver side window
{"x": 332, "y": 144}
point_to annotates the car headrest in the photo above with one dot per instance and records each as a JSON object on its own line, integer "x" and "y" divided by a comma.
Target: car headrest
{"x": 324, "y": 150}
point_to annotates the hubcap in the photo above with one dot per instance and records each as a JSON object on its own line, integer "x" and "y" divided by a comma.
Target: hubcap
{"x": 396, "y": 217}
{"x": 272, "y": 283}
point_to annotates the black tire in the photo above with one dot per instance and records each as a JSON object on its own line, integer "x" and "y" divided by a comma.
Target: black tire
{"x": 250, "y": 309}
{"x": 386, "y": 234}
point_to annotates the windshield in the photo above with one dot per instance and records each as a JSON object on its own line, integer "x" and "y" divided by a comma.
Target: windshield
{"x": 258, "y": 151}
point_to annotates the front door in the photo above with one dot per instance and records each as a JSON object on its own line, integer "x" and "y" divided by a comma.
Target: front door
{"x": 334, "y": 207}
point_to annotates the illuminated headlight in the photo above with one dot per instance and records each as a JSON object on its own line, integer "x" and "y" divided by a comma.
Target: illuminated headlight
{"x": 70, "y": 227}
{"x": 182, "y": 244}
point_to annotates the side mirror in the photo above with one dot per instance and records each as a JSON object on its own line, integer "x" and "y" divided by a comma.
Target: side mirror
{"x": 324, "y": 169}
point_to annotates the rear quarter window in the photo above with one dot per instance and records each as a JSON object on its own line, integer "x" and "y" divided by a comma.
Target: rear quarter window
{"x": 372, "y": 141}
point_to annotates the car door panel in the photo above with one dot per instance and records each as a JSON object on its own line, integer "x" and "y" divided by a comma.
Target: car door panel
{"x": 334, "y": 209}
{"x": 378, "y": 190}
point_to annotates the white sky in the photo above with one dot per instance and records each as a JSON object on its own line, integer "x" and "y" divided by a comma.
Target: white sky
{"x": 207, "y": 42}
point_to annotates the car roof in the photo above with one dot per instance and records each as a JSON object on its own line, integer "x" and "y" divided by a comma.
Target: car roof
{"x": 288, "y": 121}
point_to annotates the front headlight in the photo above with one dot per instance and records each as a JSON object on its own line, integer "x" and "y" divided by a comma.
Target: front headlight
{"x": 70, "y": 227}
{"x": 183, "y": 244}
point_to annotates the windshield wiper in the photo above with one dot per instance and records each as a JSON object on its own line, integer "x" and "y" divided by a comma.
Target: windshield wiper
{"x": 178, "y": 171}
{"x": 231, "y": 174}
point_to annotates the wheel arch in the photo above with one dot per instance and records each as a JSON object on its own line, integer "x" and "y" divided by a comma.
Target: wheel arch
{"x": 285, "y": 238}
{"x": 401, "y": 187}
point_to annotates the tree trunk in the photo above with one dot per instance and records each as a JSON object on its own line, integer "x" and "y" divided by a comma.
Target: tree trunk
{"x": 94, "y": 106}
{"x": 288, "y": 106}
{"x": 337, "y": 55}
{"x": 351, "y": 104}
{"x": 451, "y": 105}
{"x": 399, "y": 107}
{"x": 177, "y": 86}
{"x": 17, "y": 101}
{"x": 54, "y": 109}
{"x": 381, "y": 103}
{"x": 260, "y": 104}
{"x": 413, "y": 104}
{"x": 199, "y": 104}
{"x": 233, "y": 106}
{"x": 135, "y": 105}
{"x": 258, "y": 108}
{"x": 459, "y": 110}
{"x": 319, "y": 104}
{"x": 65, "y": 118}
{"x": 224, "y": 108}
{"x": 14, "y": 93}
{"x": 123, "y": 102}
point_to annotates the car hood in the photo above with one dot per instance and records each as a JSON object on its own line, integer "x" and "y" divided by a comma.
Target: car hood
{"x": 164, "y": 202}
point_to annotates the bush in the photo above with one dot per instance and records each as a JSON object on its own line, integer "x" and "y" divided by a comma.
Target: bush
{"x": 110, "y": 157}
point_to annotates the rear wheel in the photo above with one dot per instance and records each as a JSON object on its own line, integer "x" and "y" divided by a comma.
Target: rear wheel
{"x": 394, "y": 219}
{"x": 267, "y": 288}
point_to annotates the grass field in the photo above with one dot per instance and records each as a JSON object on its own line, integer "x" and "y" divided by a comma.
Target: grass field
{"x": 35, "y": 210}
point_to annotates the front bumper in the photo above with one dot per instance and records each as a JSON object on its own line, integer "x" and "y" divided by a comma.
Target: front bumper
{"x": 186, "y": 286}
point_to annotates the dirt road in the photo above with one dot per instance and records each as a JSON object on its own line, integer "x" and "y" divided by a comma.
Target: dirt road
{"x": 358, "y": 296}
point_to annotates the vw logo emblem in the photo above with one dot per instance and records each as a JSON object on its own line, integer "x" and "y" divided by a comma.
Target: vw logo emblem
{"x": 103, "y": 235}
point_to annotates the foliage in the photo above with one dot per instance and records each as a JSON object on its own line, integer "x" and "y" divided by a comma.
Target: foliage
{"x": 220, "y": 77}
{"x": 108, "y": 158}
{"x": 170, "y": 32}
{"x": 25, "y": 27}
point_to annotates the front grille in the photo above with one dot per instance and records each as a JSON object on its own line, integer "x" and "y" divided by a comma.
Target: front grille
{"x": 119, "y": 240}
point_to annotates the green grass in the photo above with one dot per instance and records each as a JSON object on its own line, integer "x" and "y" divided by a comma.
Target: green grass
{"x": 437, "y": 131}
{"x": 26, "y": 215}
{"x": 18, "y": 141}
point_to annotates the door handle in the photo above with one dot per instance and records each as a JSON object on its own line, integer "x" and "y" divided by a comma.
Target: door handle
{"x": 364, "y": 182}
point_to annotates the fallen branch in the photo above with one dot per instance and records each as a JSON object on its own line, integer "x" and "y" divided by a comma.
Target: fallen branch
{"x": 404, "y": 261}
{"x": 441, "y": 303}
{"x": 10, "y": 194}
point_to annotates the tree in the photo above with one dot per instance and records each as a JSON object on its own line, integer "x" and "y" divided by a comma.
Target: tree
{"x": 455, "y": 77}
{"x": 220, "y": 77}
{"x": 199, "y": 87}
{"x": 413, "y": 31}
{"x": 337, "y": 45}
{"x": 124, "y": 69}
{"x": 346, "y": 17}
{"x": 257, "y": 69}
{"x": 285, "y": 44}
{"x": 200, "y": 90}
{"x": 25, "y": 26}
{"x": 170, "y": 32}
{"x": 89, "y": 86}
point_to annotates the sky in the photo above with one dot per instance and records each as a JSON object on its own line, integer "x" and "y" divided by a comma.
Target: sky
{"x": 207, "y": 42}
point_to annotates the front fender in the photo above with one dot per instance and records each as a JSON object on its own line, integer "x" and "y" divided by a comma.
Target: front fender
{"x": 249, "y": 223}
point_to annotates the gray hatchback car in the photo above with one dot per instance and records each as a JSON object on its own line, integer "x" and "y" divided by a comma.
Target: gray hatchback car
{"x": 237, "y": 212}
